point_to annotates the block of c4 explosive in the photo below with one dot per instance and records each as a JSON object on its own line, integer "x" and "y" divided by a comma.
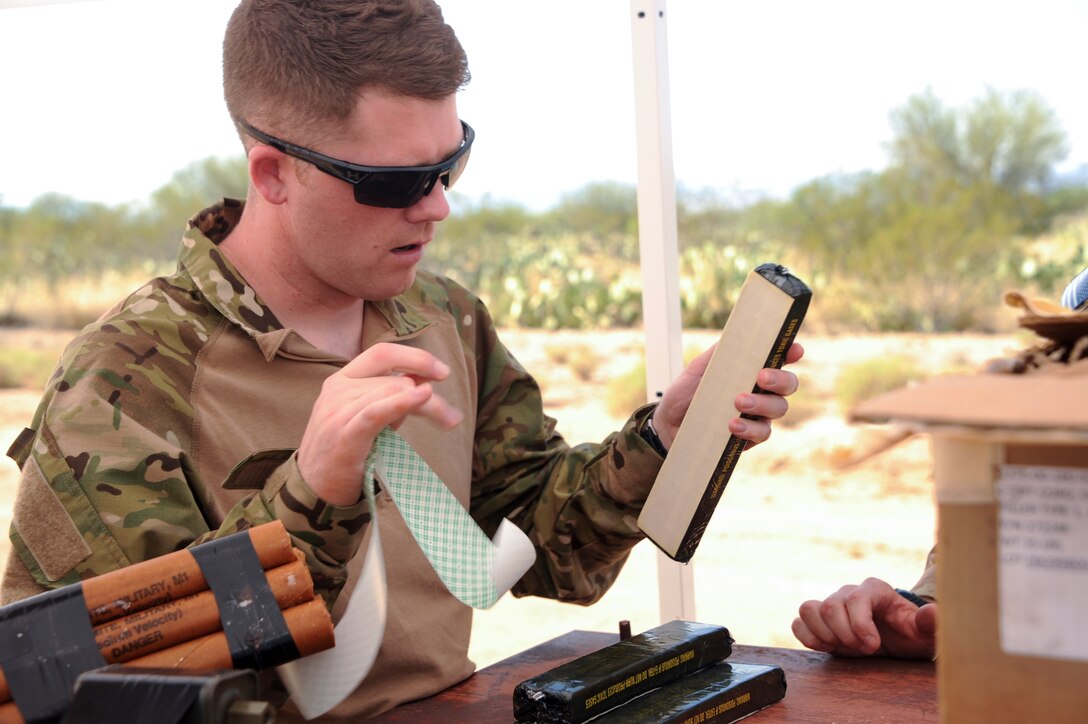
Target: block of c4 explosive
{"x": 594, "y": 683}
{"x": 758, "y": 334}
{"x": 721, "y": 693}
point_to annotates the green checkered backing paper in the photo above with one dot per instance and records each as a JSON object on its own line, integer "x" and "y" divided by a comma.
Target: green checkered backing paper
{"x": 460, "y": 552}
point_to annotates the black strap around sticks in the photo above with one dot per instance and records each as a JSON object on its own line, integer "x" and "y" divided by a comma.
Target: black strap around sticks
{"x": 252, "y": 621}
{"x": 46, "y": 642}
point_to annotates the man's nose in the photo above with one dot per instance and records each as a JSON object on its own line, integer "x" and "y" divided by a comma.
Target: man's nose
{"x": 432, "y": 207}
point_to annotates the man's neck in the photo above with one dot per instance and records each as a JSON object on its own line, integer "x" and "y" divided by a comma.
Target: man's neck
{"x": 339, "y": 331}
{"x": 328, "y": 320}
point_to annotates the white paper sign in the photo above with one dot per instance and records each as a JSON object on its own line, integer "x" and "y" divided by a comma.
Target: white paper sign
{"x": 1043, "y": 561}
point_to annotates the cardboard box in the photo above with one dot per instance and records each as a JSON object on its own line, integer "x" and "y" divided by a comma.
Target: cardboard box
{"x": 1010, "y": 462}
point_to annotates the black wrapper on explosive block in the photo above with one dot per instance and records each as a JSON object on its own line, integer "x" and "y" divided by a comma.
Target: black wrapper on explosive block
{"x": 720, "y": 693}
{"x": 597, "y": 682}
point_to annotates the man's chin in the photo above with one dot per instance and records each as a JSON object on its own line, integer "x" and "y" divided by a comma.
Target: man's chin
{"x": 391, "y": 288}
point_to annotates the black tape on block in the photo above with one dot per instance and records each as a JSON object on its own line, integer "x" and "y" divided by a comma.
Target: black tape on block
{"x": 256, "y": 631}
{"x": 140, "y": 699}
{"x": 46, "y": 642}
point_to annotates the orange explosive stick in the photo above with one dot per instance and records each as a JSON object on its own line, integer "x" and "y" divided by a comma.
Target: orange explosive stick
{"x": 172, "y": 576}
{"x": 309, "y": 624}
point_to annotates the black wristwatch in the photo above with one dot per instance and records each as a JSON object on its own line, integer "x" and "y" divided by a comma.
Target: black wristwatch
{"x": 649, "y": 434}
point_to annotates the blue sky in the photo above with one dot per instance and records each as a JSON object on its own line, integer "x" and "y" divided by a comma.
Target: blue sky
{"x": 104, "y": 100}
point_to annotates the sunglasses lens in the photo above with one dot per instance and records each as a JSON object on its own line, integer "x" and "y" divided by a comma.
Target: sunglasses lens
{"x": 450, "y": 177}
{"x": 401, "y": 188}
{"x": 392, "y": 189}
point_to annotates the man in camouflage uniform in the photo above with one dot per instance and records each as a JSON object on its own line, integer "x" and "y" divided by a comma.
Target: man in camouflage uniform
{"x": 250, "y": 385}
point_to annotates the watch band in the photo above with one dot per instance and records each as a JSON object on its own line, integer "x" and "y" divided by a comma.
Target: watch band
{"x": 912, "y": 597}
{"x": 649, "y": 434}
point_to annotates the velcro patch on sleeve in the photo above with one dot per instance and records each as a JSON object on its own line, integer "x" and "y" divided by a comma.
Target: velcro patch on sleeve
{"x": 45, "y": 526}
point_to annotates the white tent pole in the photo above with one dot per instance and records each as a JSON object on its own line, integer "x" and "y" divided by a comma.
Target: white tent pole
{"x": 657, "y": 250}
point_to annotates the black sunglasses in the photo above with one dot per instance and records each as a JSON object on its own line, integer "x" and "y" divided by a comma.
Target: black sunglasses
{"x": 390, "y": 187}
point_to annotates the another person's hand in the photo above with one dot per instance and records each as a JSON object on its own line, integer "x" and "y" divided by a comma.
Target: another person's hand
{"x": 868, "y": 620}
{"x": 380, "y": 387}
{"x": 758, "y": 409}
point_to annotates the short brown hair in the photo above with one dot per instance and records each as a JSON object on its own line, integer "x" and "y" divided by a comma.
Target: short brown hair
{"x": 295, "y": 65}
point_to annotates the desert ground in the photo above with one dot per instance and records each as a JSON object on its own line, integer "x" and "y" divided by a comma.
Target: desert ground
{"x": 793, "y": 524}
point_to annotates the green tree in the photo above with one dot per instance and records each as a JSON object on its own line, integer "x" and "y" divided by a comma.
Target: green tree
{"x": 704, "y": 216}
{"x": 60, "y": 237}
{"x": 603, "y": 209}
{"x": 11, "y": 269}
{"x": 895, "y": 251}
{"x": 469, "y": 222}
{"x": 941, "y": 248}
{"x": 1012, "y": 140}
{"x": 930, "y": 242}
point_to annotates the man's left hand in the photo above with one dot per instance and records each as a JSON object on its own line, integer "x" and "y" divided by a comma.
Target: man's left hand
{"x": 759, "y": 409}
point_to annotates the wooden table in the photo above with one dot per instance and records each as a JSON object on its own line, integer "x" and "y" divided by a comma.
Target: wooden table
{"x": 819, "y": 688}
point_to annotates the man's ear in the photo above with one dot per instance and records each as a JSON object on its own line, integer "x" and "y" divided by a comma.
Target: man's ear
{"x": 267, "y": 170}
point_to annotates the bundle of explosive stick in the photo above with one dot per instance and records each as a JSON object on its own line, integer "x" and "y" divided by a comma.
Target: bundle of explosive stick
{"x": 162, "y": 613}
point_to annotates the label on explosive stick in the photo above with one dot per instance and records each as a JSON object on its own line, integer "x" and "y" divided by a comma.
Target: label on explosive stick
{"x": 174, "y": 575}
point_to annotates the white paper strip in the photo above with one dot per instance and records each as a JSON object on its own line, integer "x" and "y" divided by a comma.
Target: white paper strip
{"x": 514, "y": 555}
{"x": 321, "y": 681}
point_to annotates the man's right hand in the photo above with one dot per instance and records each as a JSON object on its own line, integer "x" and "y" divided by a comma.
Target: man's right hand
{"x": 868, "y": 620}
{"x": 380, "y": 387}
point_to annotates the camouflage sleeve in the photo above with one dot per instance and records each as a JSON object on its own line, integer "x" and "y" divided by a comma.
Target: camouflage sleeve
{"x": 579, "y": 505}
{"x": 329, "y": 535}
{"x": 107, "y": 478}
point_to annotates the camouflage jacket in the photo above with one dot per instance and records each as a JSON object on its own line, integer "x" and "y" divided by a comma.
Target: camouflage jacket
{"x": 174, "y": 418}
